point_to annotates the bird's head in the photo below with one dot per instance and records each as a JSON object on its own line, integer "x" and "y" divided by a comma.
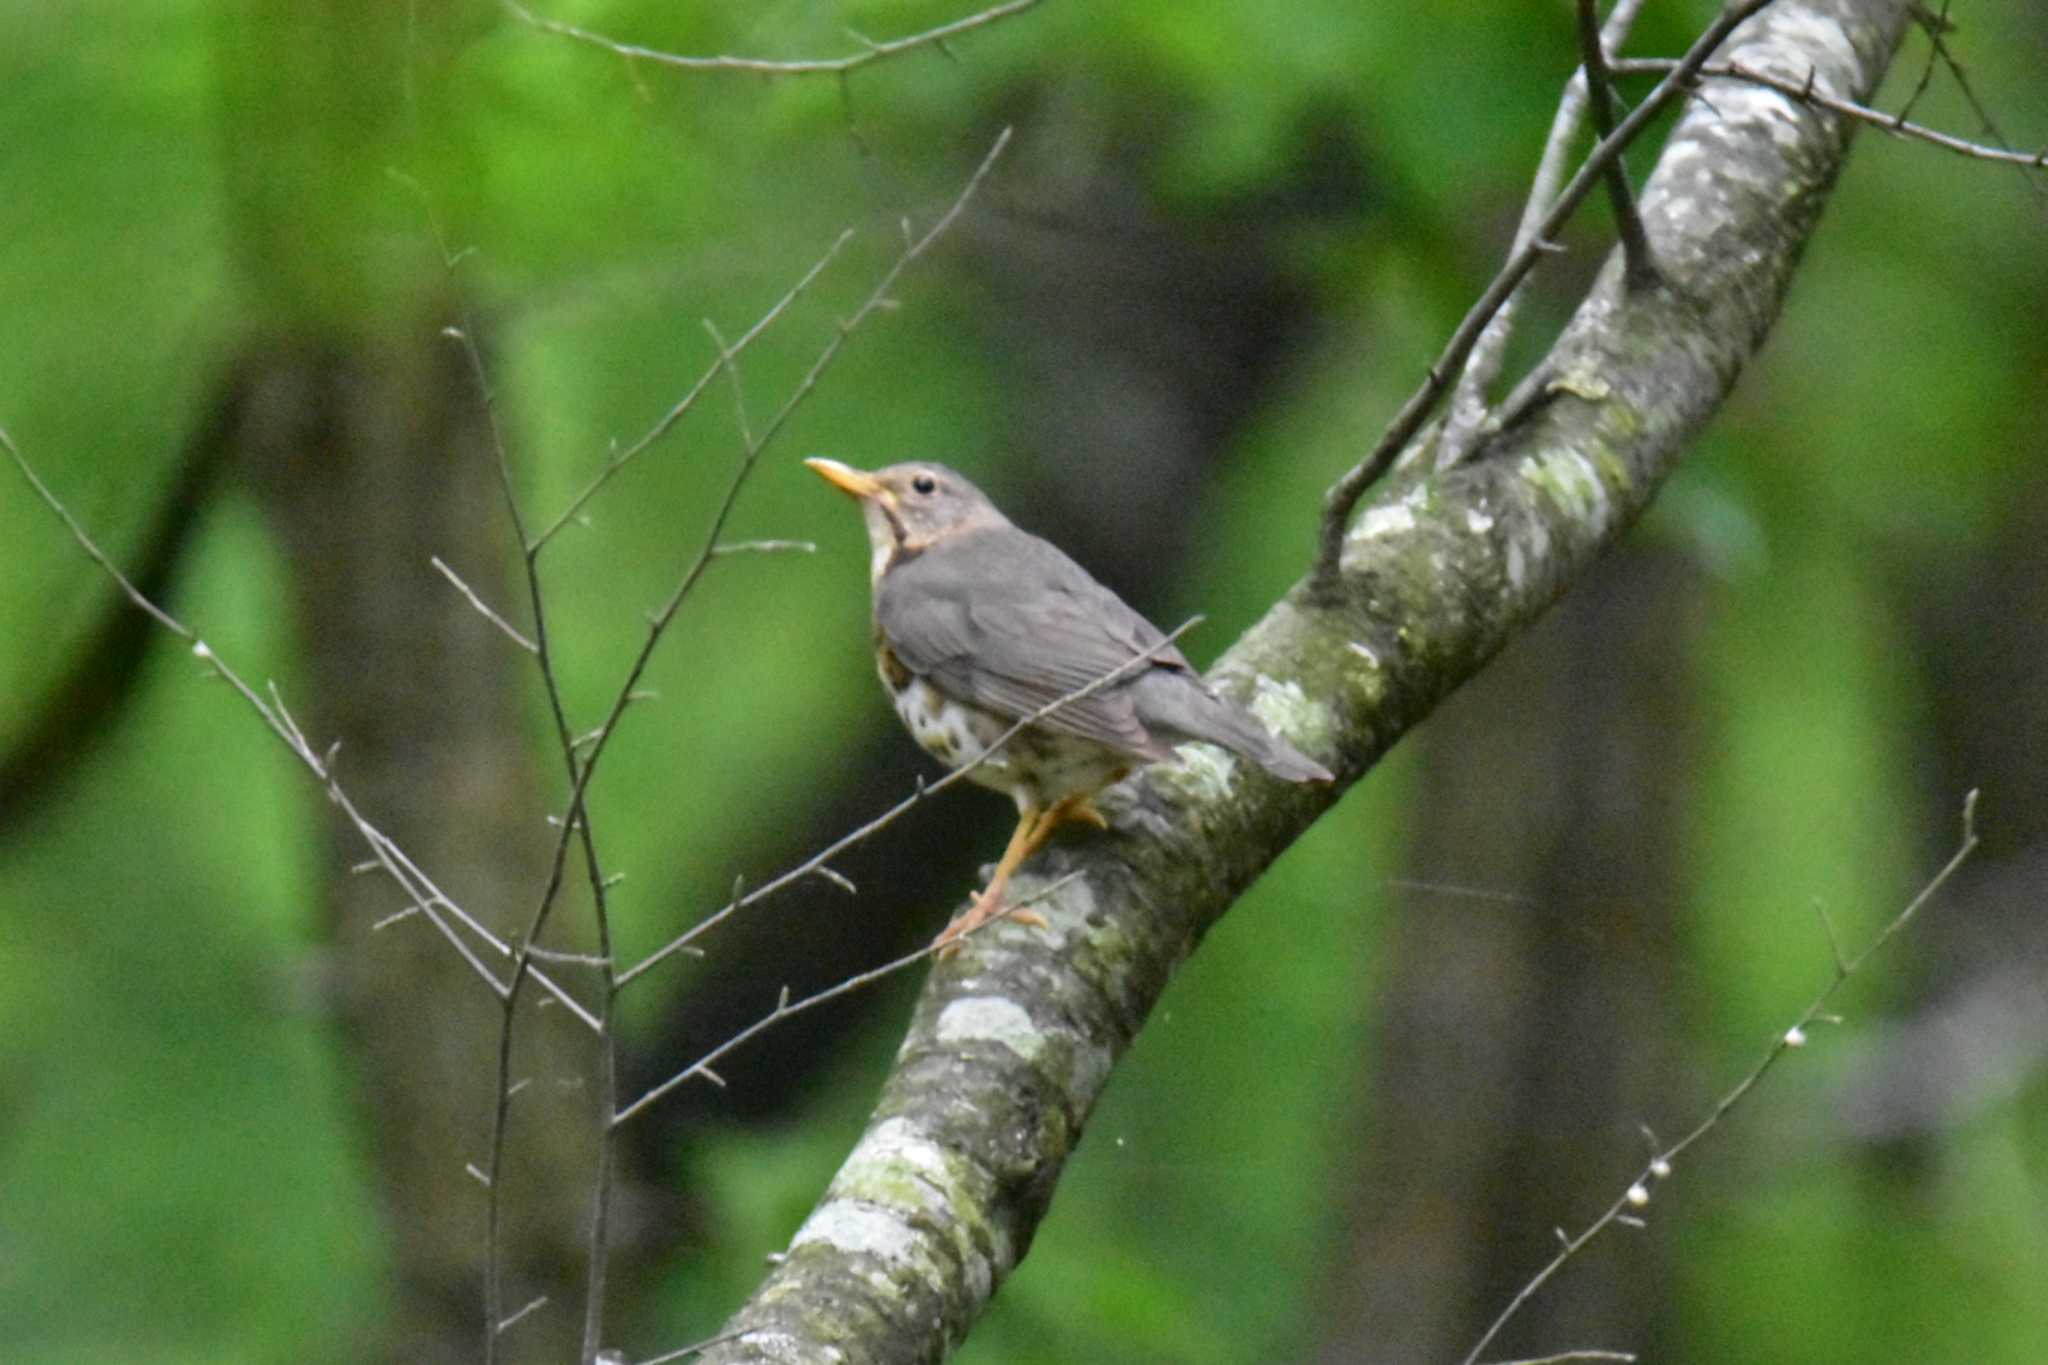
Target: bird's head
{"x": 910, "y": 506}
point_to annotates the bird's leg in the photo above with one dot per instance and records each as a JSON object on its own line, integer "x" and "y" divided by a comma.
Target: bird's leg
{"x": 1023, "y": 840}
{"x": 1034, "y": 827}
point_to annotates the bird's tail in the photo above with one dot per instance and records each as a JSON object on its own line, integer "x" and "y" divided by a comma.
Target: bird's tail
{"x": 1178, "y": 709}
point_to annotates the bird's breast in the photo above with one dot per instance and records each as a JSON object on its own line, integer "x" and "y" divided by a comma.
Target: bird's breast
{"x": 952, "y": 731}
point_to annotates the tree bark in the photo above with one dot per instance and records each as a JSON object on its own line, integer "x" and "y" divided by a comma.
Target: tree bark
{"x": 1013, "y": 1039}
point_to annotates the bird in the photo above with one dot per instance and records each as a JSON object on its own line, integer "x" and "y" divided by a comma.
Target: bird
{"x": 979, "y": 625}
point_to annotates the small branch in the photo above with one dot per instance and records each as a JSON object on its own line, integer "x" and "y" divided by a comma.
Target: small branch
{"x": 523, "y": 961}
{"x": 739, "y": 390}
{"x": 871, "y": 51}
{"x": 682, "y": 406}
{"x": 785, "y": 1007}
{"x": 424, "y": 897}
{"x": 1489, "y": 353}
{"x": 581, "y": 758}
{"x": 694, "y": 1348}
{"x": 630, "y": 688}
{"x": 1639, "y": 267}
{"x": 1938, "y": 27}
{"x": 1934, "y": 28}
{"x": 1344, "y": 494}
{"x": 1806, "y": 93}
{"x": 509, "y": 1323}
{"x": 511, "y": 631}
{"x": 134, "y": 593}
{"x": 1660, "y": 1165}
{"x": 817, "y": 864}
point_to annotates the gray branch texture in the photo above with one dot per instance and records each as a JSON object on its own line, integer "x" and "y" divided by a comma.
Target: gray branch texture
{"x": 1013, "y": 1039}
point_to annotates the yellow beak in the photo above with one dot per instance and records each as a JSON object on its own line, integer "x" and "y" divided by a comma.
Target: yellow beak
{"x": 846, "y": 478}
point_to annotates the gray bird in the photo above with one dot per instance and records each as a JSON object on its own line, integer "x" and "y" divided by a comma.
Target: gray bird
{"x": 978, "y": 625}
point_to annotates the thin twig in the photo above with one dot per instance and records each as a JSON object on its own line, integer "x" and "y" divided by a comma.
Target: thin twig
{"x": 1659, "y": 1167}
{"x": 630, "y": 691}
{"x": 739, "y": 390}
{"x": 785, "y": 1007}
{"x": 483, "y": 608}
{"x": 583, "y": 755}
{"x": 1806, "y": 93}
{"x": 1937, "y": 28}
{"x": 871, "y": 51}
{"x": 694, "y": 1348}
{"x": 682, "y": 406}
{"x": 1344, "y": 494}
{"x": 1934, "y": 28}
{"x": 424, "y": 897}
{"x": 1639, "y": 267}
{"x": 514, "y": 1320}
{"x": 163, "y": 618}
{"x": 816, "y": 864}
{"x": 1467, "y": 409}
{"x": 523, "y": 962}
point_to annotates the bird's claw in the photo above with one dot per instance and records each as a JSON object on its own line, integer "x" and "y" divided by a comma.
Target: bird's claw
{"x": 984, "y": 909}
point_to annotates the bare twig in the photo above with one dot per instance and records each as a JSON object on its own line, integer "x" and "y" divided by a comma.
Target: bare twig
{"x": 1468, "y": 401}
{"x": 423, "y": 896}
{"x": 483, "y": 608}
{"x": 1563, "y": 1357}
{"x": 1934, "y": 27}
{"x": 629, "y": 690}
{"x": 785, "y": 1007}
{"x": 871, "y": 51}
{"x": 1344, "y": 494}
{"x": 523, "y": 960}
{"x": 817, "y": 864}
{"x": 1938, "y": 27}
{"x": 1806, "y": 93}
{"x": 620, "y": 459}
{"x": 582, "y": 754}
{"x": 134, "y": 594}
{"x": 1639, "y": 268}
{"x": 1637, "y": 1195}
{"x": 694, "y": 1348}
{"x": 739, "y": 390}
{"x": 532, "y": 1305}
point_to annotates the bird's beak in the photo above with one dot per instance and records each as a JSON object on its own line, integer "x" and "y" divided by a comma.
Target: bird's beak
{"x": 846, "y": 478}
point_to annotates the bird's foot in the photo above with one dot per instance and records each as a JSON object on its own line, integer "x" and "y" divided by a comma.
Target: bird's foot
{"x": 987, "y": 905}
{"x": 1079, "y": 808}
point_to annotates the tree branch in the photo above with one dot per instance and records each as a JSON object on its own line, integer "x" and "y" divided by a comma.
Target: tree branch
{"x": 871, "y": 50}
{"x": 1896, "y": 125}
{"x": 1639, "y": 271}
{"x": 1343, "y": 496}
{"x": 1489, "y": 352}
{"x": 1013, "y": 1040}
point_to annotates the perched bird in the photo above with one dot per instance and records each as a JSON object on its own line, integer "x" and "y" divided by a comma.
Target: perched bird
{"x": 978, "y": 625}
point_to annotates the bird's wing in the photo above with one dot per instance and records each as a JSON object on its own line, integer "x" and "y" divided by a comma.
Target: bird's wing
{"x": 1007, "y": 621}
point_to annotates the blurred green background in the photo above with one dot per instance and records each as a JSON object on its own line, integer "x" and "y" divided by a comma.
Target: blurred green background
{"x": 1225, "y": 242}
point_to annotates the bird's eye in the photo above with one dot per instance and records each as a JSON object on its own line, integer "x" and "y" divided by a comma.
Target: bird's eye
{"x": 924, "y": 483}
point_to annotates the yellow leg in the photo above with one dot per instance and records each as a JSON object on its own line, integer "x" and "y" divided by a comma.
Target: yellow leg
{"x": 1022, "y": 842}
{"x": 1034, "y": 827}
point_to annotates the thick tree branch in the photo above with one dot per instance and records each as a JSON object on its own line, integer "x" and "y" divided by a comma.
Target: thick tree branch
{"x": 1013, "y": 1040}
{"x": 1342, "y": 498}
